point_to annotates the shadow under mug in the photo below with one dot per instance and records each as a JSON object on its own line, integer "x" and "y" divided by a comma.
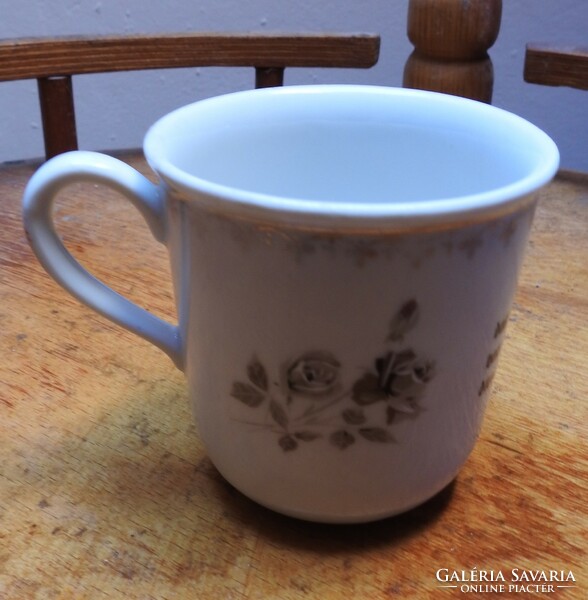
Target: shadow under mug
{"x": 344, "y": 260}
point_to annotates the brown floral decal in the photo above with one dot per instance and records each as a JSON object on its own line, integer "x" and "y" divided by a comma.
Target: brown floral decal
{"x": 308, "y": 402}
{"x": 491, "y": 359}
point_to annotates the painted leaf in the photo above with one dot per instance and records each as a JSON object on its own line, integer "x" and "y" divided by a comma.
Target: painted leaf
{"x": 257, "y": 374}
{"x": 500, "y": 327}
{"x": 307, "y": 436}
{"x": 247, "y": 394}
{"x": 366, "y": 390}
{"x": 376, "y": 434}
{"x": 353, "y": 416}
{"x": 342, "y": 439}
{"x": 404, "y": 320}
{"x": 288, "y": 443}
{"x": 278, "y": 414}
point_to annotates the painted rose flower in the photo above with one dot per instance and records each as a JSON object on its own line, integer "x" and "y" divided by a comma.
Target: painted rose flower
{"x": 309, "y": 399}
{"x": 313, "y": 374}
{"x": 399, "y": 379}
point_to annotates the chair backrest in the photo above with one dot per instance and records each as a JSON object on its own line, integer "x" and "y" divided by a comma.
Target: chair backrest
{"x": 546, "y": 65}
{"x": 53, "y": 62}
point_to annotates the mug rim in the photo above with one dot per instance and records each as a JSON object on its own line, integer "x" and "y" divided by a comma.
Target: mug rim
{"x": 268, "y": 208}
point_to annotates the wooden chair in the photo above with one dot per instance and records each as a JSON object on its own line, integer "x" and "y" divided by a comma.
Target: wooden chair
{"x": 53, "y": 62}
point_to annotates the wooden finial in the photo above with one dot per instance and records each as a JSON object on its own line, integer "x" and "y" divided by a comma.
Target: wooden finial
{"x": 451, "y": 40}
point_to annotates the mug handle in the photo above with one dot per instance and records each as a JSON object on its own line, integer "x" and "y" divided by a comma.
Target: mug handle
{"x": 39, "y": 195}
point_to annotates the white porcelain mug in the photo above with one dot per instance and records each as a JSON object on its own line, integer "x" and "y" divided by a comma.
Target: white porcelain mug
{"x": 344, "y": 260}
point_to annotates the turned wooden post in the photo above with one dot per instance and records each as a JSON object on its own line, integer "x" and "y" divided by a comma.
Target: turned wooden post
{"x": 451, "y": 40}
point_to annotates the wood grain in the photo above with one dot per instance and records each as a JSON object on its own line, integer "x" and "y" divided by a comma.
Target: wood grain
{"x": 451, "y": 39}
{"x": 454, "y": 29}
{"x": 33, "y": 58}
{"x": 58, "y": 114}
{"x": 106, "y": 492}
{"x": 469, "y": 78}
{"x": 546, "y": 65}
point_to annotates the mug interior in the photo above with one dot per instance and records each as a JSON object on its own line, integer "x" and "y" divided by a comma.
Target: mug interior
{"x": 355, "y": 150}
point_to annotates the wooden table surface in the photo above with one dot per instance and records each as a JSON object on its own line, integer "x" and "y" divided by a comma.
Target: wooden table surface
{"x": 106, "y": 492}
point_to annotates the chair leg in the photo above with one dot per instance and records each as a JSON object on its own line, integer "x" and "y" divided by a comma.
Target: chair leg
{"x": 58, "y": 114}
{"x": 269, "y": 77}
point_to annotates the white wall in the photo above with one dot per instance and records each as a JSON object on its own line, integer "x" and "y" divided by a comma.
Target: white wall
{"x": 115, "y": 110}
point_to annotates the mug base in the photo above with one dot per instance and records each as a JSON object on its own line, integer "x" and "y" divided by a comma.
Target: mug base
{"x": 350, "y": 517}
